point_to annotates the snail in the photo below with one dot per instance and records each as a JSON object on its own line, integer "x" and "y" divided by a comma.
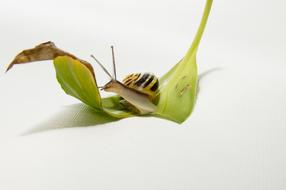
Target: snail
{"x": 138, "y": 91}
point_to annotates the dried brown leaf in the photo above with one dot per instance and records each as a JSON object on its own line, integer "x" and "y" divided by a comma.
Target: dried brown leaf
{"x": 42, "y": 52}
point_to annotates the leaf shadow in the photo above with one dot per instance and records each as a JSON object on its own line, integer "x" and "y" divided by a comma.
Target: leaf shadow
{"x": 209, "y": 71}
{"x": 76, "y": 115}
{"x": 203, "y": 75}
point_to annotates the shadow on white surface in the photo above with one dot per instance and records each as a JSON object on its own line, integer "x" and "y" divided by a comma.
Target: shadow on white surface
{"x": 209, "y": 71}
{"x": 204, "y": 74}
{"x": 76, "y": 115}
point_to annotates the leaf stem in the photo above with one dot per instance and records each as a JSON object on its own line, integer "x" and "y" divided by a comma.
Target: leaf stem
{"x": 200, "y": 31}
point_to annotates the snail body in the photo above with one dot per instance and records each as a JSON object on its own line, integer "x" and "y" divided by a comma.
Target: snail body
{"x": 138, "y": 90}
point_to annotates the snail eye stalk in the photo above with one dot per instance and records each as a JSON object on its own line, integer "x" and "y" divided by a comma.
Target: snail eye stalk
{"x": 113, "y": 61}
{"x": 101, "y": 65}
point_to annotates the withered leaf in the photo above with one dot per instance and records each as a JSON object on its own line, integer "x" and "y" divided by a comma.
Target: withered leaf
{"x": 42, "y": 52}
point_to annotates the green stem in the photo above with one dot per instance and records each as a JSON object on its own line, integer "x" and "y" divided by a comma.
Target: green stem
{"x": 200, "y": 31}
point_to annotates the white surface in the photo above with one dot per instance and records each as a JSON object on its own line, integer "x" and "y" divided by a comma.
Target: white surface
{"x": 235, "y": 139}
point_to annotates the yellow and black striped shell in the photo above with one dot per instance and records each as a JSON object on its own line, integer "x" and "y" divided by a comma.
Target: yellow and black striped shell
{"x": 145, "y": 83}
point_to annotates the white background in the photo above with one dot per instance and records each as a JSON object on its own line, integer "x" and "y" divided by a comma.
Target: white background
{"x": 234, "y": 140}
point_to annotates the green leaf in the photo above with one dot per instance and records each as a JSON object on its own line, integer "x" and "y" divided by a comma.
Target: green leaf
{"x": 178, "y": 87}
{"x": 77, "y": 80}
{"x": 112, "y": 106}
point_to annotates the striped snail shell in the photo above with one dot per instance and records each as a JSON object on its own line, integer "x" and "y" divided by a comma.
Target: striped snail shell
{"x": 145, "y": 83}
